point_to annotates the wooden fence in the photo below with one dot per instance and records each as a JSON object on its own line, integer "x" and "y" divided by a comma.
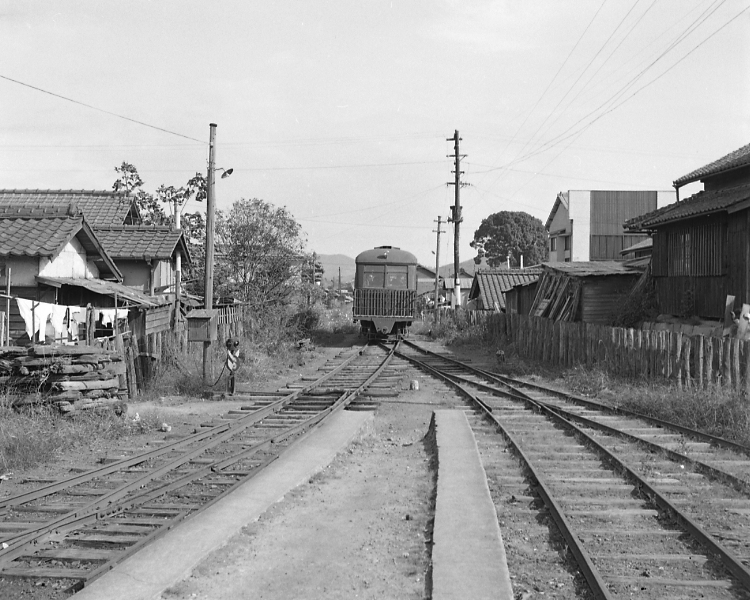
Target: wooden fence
{"x": 688, "y": 360}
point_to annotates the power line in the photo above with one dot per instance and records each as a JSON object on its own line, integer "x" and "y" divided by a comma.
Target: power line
{"x": 38, "y": 89}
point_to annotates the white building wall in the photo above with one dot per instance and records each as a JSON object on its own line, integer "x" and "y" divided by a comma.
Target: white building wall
{"x": 71, "y": 262}
{"x": 579, "y": 209}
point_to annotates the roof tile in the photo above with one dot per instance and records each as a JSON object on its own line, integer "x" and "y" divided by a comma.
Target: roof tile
{"x": 493, "y": 284}
{"x": 99, "y": 207}
{"x": 36, "y": 236}
{"x": 137, "y": 242}
{"x": 733, "y": 160}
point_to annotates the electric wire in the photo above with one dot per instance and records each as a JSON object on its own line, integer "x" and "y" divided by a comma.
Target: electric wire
{"x": 108, "y": 112}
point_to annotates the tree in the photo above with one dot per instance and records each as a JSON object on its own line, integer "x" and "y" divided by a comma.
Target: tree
{"x": 511, "y": 234}
{"x": 151, "y": 209}
{"x": 260, "y": 254}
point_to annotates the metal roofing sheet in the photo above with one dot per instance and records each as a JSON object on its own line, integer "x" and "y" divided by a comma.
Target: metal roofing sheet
{"x": 99, "y": 207}
{"x": 492, "y": 285}
{"x": 101, "y": 286}
{"x": 733, "y": 160}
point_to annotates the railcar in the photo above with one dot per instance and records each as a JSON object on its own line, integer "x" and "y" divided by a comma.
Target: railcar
{"x": 385, "y": 291}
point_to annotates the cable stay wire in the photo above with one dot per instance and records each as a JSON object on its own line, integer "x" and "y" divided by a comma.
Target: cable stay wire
{"x": 612, "y": 102}
{"x": 107, "y": 112}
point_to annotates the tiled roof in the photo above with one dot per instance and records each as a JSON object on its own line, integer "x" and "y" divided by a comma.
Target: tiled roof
{"x": 24, "y": 235}
{"x": 733, "y": 160}
{"x": 490, "y": 286}
{"x": 99, "y": 207}
{"x": 702, "y": 203}
{"x": 139, "y": 242}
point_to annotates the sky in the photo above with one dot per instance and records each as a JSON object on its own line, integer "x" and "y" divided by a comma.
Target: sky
{"x": 340, "y": 111}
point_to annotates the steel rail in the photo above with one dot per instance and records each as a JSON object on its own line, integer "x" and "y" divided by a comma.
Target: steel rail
{"x": 125, "y": 463}
{"x": 103, "y": 507}
{"x": 583, "y": 559}
{"x": 730, "y": 561}
{"x": 700, "y": 435}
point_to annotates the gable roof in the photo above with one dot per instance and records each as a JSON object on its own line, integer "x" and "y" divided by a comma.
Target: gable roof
{"x": 142, "y": 242}
{"x": 491, "y": 286}
{"x": 38, "y": 233}
{"x": 702, "y": 203}
{"x": 562, "y": 198}
{"x": 99, "y": 207}
{"x": 733, "y": 160}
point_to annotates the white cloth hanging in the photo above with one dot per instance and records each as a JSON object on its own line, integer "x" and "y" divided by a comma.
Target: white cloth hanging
{"x": 57, "y": 318}
{"x": 34, "y": 315}
{"x": 76, "y": 317}
{"x": 110, "y": 314}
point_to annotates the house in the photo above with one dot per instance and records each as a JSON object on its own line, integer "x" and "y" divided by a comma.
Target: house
{"x": 146, "y": 256}
{"x": 701, "y": 245}
{"x": 587, "y": 225}
{"x": 426, "y": 283}
{"x": 489, "y": 287}
{"x": 465, "y": 286}
{"x": 592, "y": 292}
{"x": 51, "y": 255}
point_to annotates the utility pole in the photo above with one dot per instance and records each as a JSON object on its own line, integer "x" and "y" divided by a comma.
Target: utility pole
{"x": 437, "y": 267}
{"x": 208, "y": 286}
{"x": 339, "y": 283}
{"x": 456, "y": 217}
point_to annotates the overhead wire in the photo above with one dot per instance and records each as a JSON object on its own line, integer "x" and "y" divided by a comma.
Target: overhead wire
{"x": 108, "y": 112}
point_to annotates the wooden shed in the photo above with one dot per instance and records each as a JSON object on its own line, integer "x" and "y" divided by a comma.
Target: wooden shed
{"x": 489, "y": 287}
{"x": 520, "y": 298}
{"x": 583, "y": 291}
{"x": 701, "y": 248}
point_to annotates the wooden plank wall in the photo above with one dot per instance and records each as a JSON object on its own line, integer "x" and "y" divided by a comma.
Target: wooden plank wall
{"x": 689, "y": 361}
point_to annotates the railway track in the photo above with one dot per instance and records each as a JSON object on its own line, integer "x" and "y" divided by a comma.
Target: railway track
{"x": 644, "y": 508}
{"x": 78, "y": 528}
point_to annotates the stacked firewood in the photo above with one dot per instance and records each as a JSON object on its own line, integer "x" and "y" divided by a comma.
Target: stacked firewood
{"x": 71, "y": 378}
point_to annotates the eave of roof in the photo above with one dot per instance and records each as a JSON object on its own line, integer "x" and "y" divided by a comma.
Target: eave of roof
{"x": 734, "y": 160}
{"x": 593, "y": 268}
{"x": 700, "y": 204}
{"x": 100, "y": 286}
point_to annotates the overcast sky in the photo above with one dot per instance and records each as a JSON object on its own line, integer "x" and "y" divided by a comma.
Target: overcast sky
{"x": 339, "y": 110}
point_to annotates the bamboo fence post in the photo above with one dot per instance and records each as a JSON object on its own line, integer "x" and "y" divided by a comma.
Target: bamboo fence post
{"x": 709, "y": 361}
{"x": 687, "y": 356}
{"x": 699, "y": 362}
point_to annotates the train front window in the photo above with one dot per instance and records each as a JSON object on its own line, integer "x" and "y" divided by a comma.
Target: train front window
{"x": 396, "y": 278}
{"x": 374, "y": 277}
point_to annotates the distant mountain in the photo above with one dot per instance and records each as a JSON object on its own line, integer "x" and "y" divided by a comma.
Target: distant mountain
{"x": 331, "y": 264}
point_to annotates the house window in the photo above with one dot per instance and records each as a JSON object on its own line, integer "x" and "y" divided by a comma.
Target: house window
{"x": 567, "y": 242}
{"x": 552, "y": 244}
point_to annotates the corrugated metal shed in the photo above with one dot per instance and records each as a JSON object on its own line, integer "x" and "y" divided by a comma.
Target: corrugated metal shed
{"x": 583, "y": 291}
{"x": 489, "y": 287}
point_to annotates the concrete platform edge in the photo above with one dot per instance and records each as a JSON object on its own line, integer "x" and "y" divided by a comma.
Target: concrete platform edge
{"x": 171, "y": 558}
{"x": 468, "y": 555}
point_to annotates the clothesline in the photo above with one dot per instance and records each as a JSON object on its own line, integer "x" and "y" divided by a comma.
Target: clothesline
{"x": 35, "y": 315}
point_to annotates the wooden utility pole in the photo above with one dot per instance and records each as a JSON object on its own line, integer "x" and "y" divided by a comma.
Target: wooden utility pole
{"x": 456, "y": 217}
{"x": 208, "y": 285}
{"x": 437, "y": 267}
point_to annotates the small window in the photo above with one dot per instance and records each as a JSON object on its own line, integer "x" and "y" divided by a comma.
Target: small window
{"x": 553, "y": 244}
{"x": 374, "y": 277}
{"x": 396, "y": 278}
{"x": 567, "y": 242}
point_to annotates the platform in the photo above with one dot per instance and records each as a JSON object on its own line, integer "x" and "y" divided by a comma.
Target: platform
{"x": 171, "y": 558}
{"x": 468, "y": 556}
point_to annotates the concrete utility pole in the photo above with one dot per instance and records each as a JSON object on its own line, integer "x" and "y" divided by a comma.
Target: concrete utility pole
{"x": 437, "y": 267}
{"x": 456, "y": 217}
{"x": 208, "y": 285}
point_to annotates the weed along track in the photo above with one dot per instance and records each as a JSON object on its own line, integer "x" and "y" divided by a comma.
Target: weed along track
{"x": 604, "y": 502}
{"x": 75, "y": 529}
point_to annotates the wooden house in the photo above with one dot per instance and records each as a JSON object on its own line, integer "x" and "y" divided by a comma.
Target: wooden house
{"x": 520, "y": 298}
{"x": 147, "y": 256}
{"x": 701, "y": 245}
{"x": 592, "y": 292}
{"x": 50, "y": 254}
{"x": 489, "y": 287}
{"x": 586, "y": 225}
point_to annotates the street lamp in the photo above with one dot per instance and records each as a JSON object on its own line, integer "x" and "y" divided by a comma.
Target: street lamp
{"x": 208, "y": 287}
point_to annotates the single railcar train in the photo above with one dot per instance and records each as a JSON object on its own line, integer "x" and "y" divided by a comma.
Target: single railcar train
{"x": 385, "y": 291}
